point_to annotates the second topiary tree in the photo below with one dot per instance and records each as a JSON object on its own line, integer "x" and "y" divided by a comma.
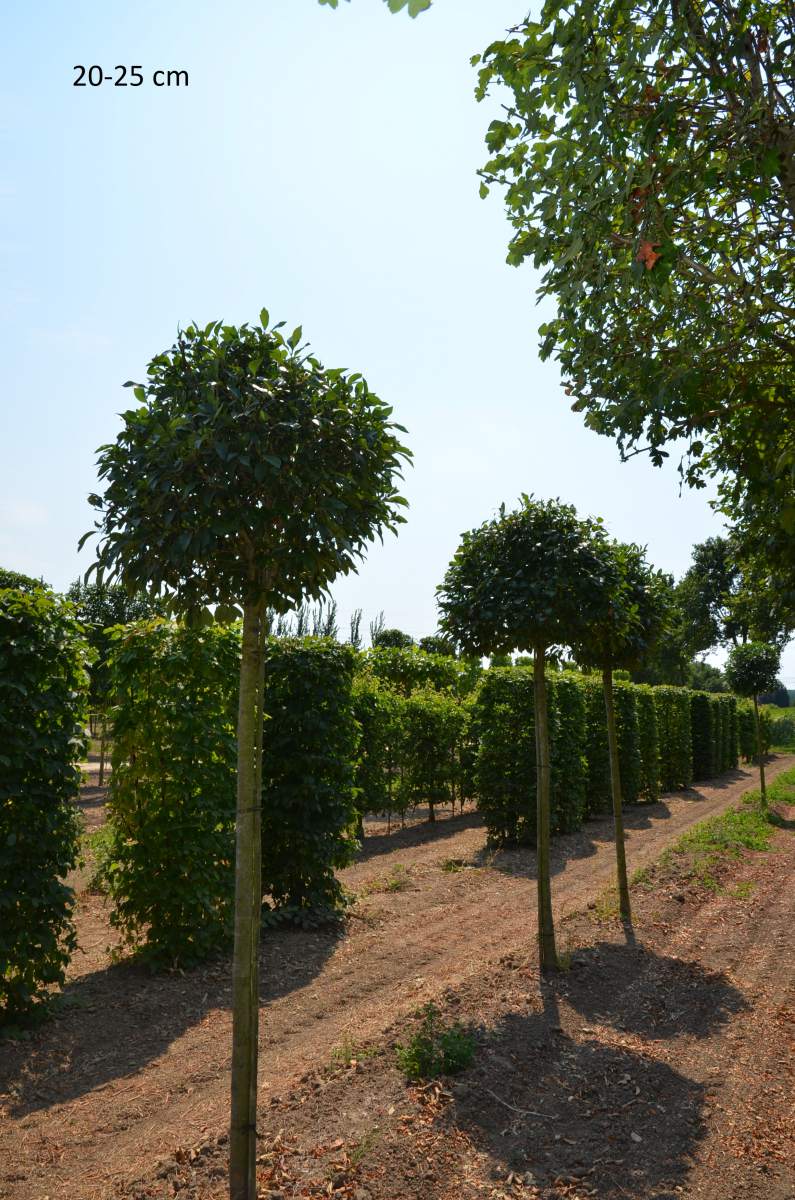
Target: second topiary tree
{"x": 528, "y": 580}
{"x": 751, "y": 670}
{"x": 626, "y": 624}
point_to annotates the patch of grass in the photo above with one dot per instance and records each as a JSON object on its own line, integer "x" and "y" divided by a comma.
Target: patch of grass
{"x": 452, "y": 865}
{"x": 398, "y": 880}
{"x": 349, "y": 1052}
{"x": 742, "y": 891}
{"x": 435, "y": 1049}
{"x": 703, "y": 850}
{"x": 96, "y": 853}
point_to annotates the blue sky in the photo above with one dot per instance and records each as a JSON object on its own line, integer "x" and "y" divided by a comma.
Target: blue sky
{"x": 321, "y": 164}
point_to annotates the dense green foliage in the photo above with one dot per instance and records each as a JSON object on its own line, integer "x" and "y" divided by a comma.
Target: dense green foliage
{"x": 648, "y": 742}
{"x": 172, "y": 790}
{"x": 176, "y": 693}
{"x": 713, "y": 722}
{"x": 528, "y": 578}
{"x": 240, "y": 445}
{"x": 395, "y": 638}
{"x": 673, "y": 284}
{"x": 631, "y": 759}
{"x": 377, "y": 710}
{"x": 622, "y": 631}
{"x": 406, "y": 668}
{"x": 782, "y": 730}
{"x": 100, "y": 607}
{"x": 43, "y": 708}
{"x": 434, "y": 728}
{"x": 308, "y": 776}
{"x": 752, "y": 668}
{"x": 667, "y": 737}
{"x": 505, "y": 768}
{"x": 19, "y": 582}
{"x": 674, "y": 737}
{"x": 436, "y": 1048}
{"x": 725, "y": 604}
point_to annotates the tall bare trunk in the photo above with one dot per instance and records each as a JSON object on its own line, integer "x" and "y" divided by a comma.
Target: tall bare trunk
{"x": 102, "y": 754}
{"x": 759, "y": 750}
{"x": 615, "y": 787}
{"x": 248, "y": 903}
{"x": 548, "y": 955}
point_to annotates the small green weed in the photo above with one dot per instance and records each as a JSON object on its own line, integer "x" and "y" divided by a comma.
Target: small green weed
{"x": 363, "y": 1147}
{"x": 436, "y": 1048}
{"x": 398, "y": 880}
{"x": 742, "y": 891}
{"x": 452, "y": 865}
{"x": 349, "y": 1052}
{"x": 97, "y": 851}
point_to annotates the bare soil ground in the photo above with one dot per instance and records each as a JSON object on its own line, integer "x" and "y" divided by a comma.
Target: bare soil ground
{"x": 126, "y": 1093}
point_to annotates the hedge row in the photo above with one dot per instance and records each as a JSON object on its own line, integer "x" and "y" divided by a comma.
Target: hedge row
{"x": 413, "y": 748}
{"x": 667, "y": 737}
{"x": 43, "y": 707}
{"x": 402, "y": 729}
{"x": 172, "y": 798}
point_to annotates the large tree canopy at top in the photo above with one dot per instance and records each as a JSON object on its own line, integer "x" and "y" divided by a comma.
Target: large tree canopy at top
{"x": 648, "y": 152}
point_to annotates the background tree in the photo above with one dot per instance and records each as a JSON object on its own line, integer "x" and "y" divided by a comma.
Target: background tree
{"x": 355, "y": 630}
{"x": 726, "y": 603}
{"x": 703, "y": 677}
{"x": 648, "y": 156}
{"x": 21, "y": 583}
{"x": 394, "y": 638}
{"x": 247, "y": 477}
{"x": 631, "y": 619}
{"x": 527, "y": 580}
{"x": 668, "y": 660}
{"x": 750, "y": 670}
{"x": 779, "y": 696}
{"x": 437, "y": 643}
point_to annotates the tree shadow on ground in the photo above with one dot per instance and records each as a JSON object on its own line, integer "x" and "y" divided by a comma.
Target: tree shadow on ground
{"x": 657, "y": 997}
{"x": 581, "y": 1112}
{"x": 568, "y": 1107}
{"x": 112, "y": 1022}
{"x": 417, "y": 835}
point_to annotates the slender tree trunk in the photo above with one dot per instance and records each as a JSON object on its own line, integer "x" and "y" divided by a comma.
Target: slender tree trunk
{"x": 548, "y": 955}
{"x": 759, "y": 751}
{"x": 102, "y": 754}
{"x": 248, "y": 905}
{"x": 615, "y": 787}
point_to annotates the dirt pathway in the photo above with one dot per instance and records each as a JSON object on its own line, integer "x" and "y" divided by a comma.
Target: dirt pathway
{"x": 140, "y": 1064}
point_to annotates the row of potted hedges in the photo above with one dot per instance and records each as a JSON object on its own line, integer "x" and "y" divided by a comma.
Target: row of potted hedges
{"x": 347, "y": 734}
{"x": 667, "y": 737}
{"x": 169, "y": 864}
{"x": 414, "y": 748}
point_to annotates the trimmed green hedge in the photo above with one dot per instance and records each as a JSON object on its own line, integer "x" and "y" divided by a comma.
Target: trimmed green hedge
{"x": 406, "y": 668}
{"x": 172, "y": 795}
{"x": 505, "y": 772}
{"x": 674, "y": 737}
{"x": 170, "y": 870}
{"x": 43, "y": 710}
{"x": 667, "y": 737}
{"x": 310, "y": 741}
{"x": 648, "y": 743}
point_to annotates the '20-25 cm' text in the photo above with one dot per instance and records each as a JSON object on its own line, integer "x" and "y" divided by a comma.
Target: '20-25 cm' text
{"x": 122, "y": 76}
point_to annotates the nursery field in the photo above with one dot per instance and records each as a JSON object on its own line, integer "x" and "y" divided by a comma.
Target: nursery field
{"x": 675, "y": 1050}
